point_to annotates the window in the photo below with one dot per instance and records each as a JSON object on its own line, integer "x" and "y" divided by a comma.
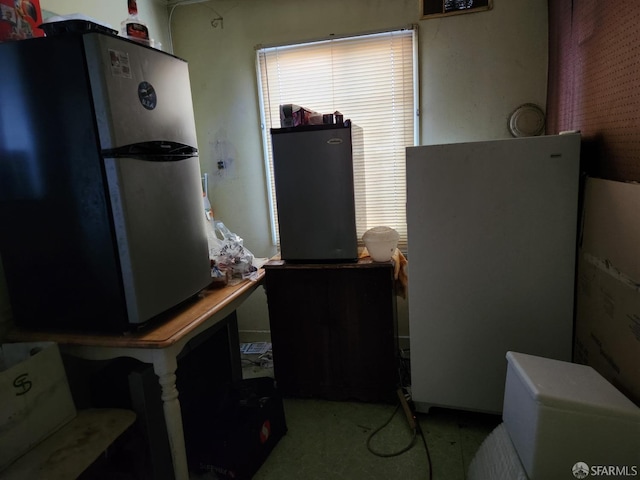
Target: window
{"x": 371, "y": 80}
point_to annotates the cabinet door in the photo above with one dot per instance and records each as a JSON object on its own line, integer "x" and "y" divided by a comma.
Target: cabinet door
{"x": 300, "y": 331}
{"x": 334, "y": 330}
{"x": 365, "y": 333}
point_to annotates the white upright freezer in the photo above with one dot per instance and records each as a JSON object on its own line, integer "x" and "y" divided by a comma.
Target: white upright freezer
{"x": 492, "y": 230}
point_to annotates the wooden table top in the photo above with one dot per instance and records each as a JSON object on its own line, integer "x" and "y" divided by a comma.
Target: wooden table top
{"x": 365, "y": 262}
{"x": 163, "y": 331}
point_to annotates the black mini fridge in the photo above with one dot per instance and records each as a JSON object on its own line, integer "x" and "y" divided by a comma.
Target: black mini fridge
{"x": 314, "y": 183}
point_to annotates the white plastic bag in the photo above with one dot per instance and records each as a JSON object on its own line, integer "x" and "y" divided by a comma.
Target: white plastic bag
{"x": 227, "y": 250}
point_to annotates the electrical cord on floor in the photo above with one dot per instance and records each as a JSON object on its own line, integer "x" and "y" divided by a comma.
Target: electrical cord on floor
{"x": 413, "y": 423}
{"x": 426, "y": 448}
{"x": 377, "y": 430}
{"x": 404, "y": 373}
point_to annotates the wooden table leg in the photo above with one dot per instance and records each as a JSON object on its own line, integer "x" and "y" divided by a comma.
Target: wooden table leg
{"x": 165, "y": 367}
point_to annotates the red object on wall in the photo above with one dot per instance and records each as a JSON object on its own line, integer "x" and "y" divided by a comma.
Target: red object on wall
{"x": 20, "y": 19}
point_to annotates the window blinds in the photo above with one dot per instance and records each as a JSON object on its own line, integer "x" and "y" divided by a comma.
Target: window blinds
{"x": 370, "y": 79}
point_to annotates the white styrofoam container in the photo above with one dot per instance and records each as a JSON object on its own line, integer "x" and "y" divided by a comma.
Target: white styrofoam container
{"x": 35, "y": 399}
{"x": 558, "y": 414}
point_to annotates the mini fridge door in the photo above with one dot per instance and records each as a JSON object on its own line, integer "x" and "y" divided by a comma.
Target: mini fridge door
{"x": 313, "y": 170}
{"x": 160, "y": 232}
{"x": 140, "y": 95}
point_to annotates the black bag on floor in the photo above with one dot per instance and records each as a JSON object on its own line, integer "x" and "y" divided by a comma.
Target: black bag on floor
{"x": 236, "y": 436}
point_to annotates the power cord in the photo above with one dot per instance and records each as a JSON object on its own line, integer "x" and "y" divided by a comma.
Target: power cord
{"x": 377, "y": 430}
{"x": 426, "y": 449}
{"x": 414, "y": 425}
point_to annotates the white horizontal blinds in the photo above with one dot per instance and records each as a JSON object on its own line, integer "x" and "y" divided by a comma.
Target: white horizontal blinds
{"x": 369, "y": 79}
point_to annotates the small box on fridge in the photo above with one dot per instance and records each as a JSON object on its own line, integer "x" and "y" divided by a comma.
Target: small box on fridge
{"x": 20, "y": 19}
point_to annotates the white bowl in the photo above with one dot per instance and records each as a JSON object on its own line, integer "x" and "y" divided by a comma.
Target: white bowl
{"x": 381, "y": 243}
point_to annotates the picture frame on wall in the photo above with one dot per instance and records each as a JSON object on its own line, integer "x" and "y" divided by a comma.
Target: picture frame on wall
{"x": 440, "y": 8}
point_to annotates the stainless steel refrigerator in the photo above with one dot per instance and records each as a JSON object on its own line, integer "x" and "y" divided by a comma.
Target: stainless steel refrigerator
{"x": 491, "y": 247}
{"x": 314, "y": 183}
{"x": 101, "y": 214}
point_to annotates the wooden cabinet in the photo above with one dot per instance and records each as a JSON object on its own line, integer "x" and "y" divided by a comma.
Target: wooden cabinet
{"x": 334, "y": 329}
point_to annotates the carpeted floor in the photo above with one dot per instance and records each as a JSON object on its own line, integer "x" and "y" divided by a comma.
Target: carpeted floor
{"x": 328, "y": 440}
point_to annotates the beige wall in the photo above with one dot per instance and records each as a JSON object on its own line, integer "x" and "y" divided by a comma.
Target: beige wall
{"x": 474, "y": 70}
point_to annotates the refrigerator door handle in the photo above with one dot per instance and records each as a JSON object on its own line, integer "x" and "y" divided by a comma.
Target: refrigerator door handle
{"x": 156, "y": 150}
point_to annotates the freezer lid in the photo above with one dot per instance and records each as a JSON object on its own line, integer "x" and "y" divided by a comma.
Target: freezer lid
{"x": 569, "y": 386}
{"x": 140, "y": 94}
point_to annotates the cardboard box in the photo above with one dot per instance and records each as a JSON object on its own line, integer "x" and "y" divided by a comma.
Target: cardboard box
{"x": 607, "y": 333}
{"x": 35, "y": 399}
{"x": 20, "y": 19}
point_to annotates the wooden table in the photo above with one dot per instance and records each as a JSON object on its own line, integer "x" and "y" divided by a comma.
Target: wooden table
{"x": 160, "y": 346}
